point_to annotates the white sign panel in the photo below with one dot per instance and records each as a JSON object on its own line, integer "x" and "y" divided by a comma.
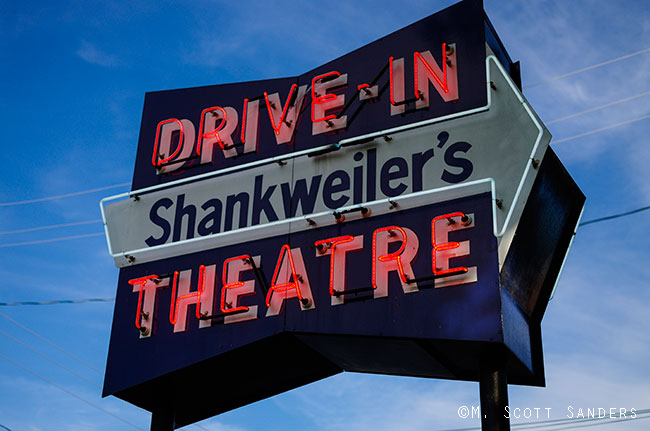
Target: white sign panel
{"x": 500, "y": 144}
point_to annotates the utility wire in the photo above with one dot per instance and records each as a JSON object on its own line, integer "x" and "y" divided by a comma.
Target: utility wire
{"x": 5, "y": 427}
{"x": 58, "y": 364}
{"x": 604, "y": 422}
{"x": 111, "y": 299}
{"x": 56, "y": 346}
{"x": 611, "y": 217}
{"x": 552, "y": 423}
{"x": 65, "y": 238}
{"x": 43, "y": 241}
{"x": 52, "y": 226}
{"x": 80, "y": 301}
{"x": 584, "y": 69}
{"x": 554, "y": 78}
{"x": 61, "y": 388}
{"x": 602, "y": 129}
{"x": 597, "y": 108}
{"x": 67, "y": 195}
{"x": 57, "y": 301}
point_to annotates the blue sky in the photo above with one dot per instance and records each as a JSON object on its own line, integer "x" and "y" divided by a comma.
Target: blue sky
{"x": 73, "y": 79}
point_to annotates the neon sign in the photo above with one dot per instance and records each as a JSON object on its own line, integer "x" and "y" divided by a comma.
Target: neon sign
{"x": 216, "y": 111}
{"x": 349, "y": 218}
{"x": 393, "y": 249}
{"x": 327, "y": 111}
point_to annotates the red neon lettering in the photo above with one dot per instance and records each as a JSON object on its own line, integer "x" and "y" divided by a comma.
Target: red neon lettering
{"x": 442, "y": 83}
{"x": 174, "y": 304}
{"x": 317, "y": 100}
{"x": 234, "y": 285}
{"x": 396, "y": 82}
{"x": 155, "y": 146}
{"x": 140, "y": 281}
{"x": 446, "y": 246}
{"x": 213, "y": 133}
{"x": 362, "y": 86}
{"x": 284, "y": 111}
{"x": 243, "y": 122}
{"x": 390, "y": 256}
{"x": 173, "y": 312}
{"x": 201, "y": 286}
{"x": 284, "y": 286}
{"x": 390, "y": 74}
{"x": 333, "y": 242}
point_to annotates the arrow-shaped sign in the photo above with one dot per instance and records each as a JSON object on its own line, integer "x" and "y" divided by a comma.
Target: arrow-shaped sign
{"x": 496, "y": 147}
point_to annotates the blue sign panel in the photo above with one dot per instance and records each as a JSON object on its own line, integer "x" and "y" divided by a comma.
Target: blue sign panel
{"x": 424, "y": 273}
{"x": 432, "y": 68}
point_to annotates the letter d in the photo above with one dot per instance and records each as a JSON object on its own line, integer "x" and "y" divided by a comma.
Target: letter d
{"x": 163, "y": 155}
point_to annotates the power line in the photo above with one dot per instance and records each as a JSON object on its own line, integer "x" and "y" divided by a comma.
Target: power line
{"x": 61, "y": 388}
{"x": 611, "y": 217}
{"x": 67, "y": 195}
{"x": 607, "y": 105}
{"x": 57, "y": 301}
{"x": 5, "y": 427}
{"x": 582, "y": 422}
{"x": 58, "y": 364}
{"x": 552, "y": 423}
{"x": 602, "y": 129}
{"x": 548, "y": 424}
{"x": 52, "y": 226}
{"x": 51, "y": 343}
{"x": 604, "y": 422}
{"x": 584, "y": 69}
{"x": 65, "y": 238}
{"x": 43, "y": 241}
{"x": 555, "y": 78}
{"x": 80, "y": 301}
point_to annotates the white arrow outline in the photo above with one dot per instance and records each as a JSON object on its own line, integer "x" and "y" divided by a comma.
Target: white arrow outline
{"x": 197, "y": 244}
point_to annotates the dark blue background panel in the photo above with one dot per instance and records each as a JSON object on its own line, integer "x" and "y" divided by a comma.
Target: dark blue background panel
{"x": 462, "y": 25}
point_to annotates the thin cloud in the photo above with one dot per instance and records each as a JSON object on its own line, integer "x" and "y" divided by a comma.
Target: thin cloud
{"x": 93, "y": 55}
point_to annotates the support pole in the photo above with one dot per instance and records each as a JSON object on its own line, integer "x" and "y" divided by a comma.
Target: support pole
{"x": 493, "y": 388}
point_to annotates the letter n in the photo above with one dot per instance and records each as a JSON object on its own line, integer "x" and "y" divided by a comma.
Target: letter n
{"x": 427, "y": 71}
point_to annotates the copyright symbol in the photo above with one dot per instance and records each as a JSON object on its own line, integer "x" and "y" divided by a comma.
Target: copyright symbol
{"x": 463, "y": 412}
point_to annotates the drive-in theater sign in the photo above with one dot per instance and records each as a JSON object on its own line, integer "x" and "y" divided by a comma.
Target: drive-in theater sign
{"x": 396, "y": 210}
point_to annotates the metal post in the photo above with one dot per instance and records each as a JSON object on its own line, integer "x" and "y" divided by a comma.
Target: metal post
{"x": 493, "y": 388}
{"x": 163, "y": 419}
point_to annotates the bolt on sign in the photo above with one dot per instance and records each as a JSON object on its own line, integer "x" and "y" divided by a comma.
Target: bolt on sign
{"x": 381, "y": 213}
